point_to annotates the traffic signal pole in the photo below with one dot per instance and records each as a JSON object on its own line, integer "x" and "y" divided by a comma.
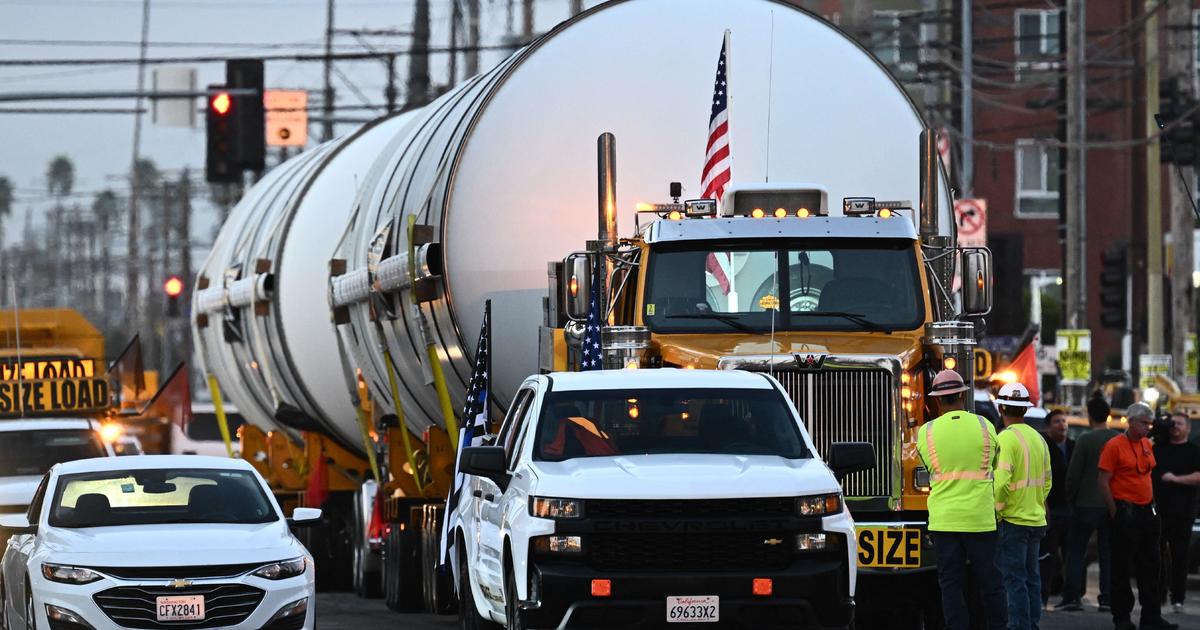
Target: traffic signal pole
{"x": 1154, "y": 316}
{"x": 1076, "y": 246}
{"x": 1180, "y": 69}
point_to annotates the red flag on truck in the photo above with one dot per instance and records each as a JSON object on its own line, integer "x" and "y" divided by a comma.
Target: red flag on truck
{"x": 127, "y": 375}
{"x": 1024, "y": 366}
{"x": 174, "y": 399}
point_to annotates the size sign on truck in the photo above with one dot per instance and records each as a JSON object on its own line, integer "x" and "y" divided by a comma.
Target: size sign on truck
{"x": 53, "y": 396}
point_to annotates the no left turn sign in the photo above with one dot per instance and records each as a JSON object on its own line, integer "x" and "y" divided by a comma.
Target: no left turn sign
{"x": 971, "y": 216}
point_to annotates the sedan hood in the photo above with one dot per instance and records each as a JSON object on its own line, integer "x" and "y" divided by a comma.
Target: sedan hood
{"x": 683, "y": 477}
{"x": 170, "y": 545}
{"x": 18, "y": 491}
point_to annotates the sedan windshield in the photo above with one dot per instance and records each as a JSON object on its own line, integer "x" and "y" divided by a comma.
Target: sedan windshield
{"x": 729, "y": 286}
{"x": 649, "y": 421}
{"x": 34, "y": 452}
{"x": 160, "y": 496}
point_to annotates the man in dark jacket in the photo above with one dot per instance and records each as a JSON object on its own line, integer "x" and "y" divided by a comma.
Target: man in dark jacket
{"x": 1058, "y": 510}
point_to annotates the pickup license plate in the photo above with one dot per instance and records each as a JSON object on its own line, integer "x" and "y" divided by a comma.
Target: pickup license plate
{"x": 181, "y": 608}
{"x": 694, "y": 609}
{"x": 889, "y": 547}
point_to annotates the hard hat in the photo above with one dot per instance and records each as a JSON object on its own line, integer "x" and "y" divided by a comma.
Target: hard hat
{"x": 946, "y": 383}
{"x": 1013, "y": 395}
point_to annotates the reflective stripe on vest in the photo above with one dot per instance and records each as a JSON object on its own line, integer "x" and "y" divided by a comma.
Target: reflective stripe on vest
{"x": 983, "y": 474}
{"x": 1029, "y": 480}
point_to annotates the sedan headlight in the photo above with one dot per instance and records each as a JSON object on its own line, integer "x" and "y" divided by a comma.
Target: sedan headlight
{"x": 543, "y": 507}
{"x": 819, "y": 505}
{"x": 69, "y": 575}
{"x": 282, "y": 570}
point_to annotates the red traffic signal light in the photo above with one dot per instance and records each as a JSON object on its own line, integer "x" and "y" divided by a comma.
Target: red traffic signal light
{"x": 221, "y": 103}
{"x": 173, "y": 286}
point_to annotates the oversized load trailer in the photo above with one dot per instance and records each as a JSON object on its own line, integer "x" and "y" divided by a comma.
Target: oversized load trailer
{"x": 340, "y": 305}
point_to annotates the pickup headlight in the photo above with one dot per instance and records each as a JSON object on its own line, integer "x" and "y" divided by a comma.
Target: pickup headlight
{"x": 282, "y": 570}
{"x": 819, "y": 505}
{"x": 558, "y": 544}
{"x": 543, "y": 507}
{"x": 69, "y": 575}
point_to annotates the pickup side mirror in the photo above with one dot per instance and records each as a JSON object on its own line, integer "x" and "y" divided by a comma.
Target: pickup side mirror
{"x": 304, "y": 517}
{"x": 976, "y": 266}
{"x": 577, "y": 287}
{"x": 851, "y": 457}
{"x": 485, "y": 461}
{"x": 17, "y": 524}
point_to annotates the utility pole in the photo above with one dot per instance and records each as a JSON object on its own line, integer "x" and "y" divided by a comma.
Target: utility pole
{"x": 389, "y": 92}
{"x": 418, "y": 60}
{"x": 327, "y": 94}
{"x": 1180, "y": 63}
{"x": 1076, "y": 259}
{"x": 966, "y": 161}
{"x": 1154, "y": 315}
{"x": 133, "y": 316}
{"x": 455, "y": 27}
{"x": 576, "y": 7}
{"x": 472, "y": 61}
{"x": 526, "y": 21}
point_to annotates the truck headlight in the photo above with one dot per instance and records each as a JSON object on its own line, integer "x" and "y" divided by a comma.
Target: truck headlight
{"x": 819, "y": 505}
{"x": 545, "y": 507}
{"x": 282, "y": 570}
{"x": 69, "y": 575}
{"x": 558, "y": 544}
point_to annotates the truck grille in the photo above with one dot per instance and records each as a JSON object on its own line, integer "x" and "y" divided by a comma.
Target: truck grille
{"x": 136, "y": 606}
{"x": 691, "y": 552}
{"x": 848, "y": 405}
{"x": 690, "y": 508}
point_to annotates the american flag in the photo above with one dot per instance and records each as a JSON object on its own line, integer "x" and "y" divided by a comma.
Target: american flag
{"x": 474, "y": 421}
{"x": 717, "y": 165}
{"x": 593, "y": 351}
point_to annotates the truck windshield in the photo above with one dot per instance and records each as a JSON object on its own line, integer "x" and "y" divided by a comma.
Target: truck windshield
{"x": 34, "y": 452}
{"x": 729, "y": 286}
{"x": 158, "y": 497}
{"x": 651, "y": 421}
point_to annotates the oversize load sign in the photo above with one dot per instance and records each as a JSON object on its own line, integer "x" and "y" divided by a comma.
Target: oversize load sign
{"x": 53, "y": 396}
{"x": 35, "y": 369}
{"x": 1074, "y": 356}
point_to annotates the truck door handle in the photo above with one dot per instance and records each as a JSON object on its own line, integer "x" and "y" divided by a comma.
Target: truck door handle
{"x": 489, "y": 497}
{"x": 477, "y": 493}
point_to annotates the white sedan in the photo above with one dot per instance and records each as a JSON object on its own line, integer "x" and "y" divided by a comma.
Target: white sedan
{"x": 170, "y": 541}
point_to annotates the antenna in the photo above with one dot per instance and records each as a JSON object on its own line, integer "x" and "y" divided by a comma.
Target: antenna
{"x": 770, "y": 91}
{"x": 12, "y": 292}
{"x": 774, "y": 312}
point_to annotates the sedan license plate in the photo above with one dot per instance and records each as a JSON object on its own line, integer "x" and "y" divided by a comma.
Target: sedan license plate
{"x": 889, "y": 547}
{"x": 693, "y": 609}
{"x": 181, "y": 608}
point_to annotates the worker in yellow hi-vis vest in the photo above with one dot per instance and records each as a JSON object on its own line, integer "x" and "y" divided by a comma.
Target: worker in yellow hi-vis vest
{"x": 958, "y": 449}
{"x": 1021, "y": 486}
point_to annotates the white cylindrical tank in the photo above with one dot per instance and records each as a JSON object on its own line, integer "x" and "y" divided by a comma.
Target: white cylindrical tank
{"x": 503, "y": 168}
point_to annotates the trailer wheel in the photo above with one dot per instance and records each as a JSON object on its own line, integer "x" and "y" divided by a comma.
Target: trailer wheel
{"x": 436, "y": 577}
{"x": 367, "y": 584}
{"x": 332, "y": 544}
{"x": 402, "y": 570}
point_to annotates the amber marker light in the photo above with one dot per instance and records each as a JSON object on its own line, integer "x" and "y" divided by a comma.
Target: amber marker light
{"x": 780, "y": 213}
{"x": 803, "y": 213}
{"x": 601, "y": 588}
{"x": 763, "y": 587}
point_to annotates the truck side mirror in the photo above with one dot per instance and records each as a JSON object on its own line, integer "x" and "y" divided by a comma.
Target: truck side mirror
{"x": 485, "y": 461}
{"x": 851, "y": 457}
{"x": 976, "y": 266}
{"x": 578, "y": 289}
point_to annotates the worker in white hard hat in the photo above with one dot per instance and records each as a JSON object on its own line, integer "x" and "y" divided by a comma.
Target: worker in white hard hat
{"x": 958, "y": 448}
{"x": 1021, "y": 484}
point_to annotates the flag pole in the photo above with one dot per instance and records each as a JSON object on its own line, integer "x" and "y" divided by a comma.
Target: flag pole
{"x": 729, "y": 108}
{"x": 487, "y": 403}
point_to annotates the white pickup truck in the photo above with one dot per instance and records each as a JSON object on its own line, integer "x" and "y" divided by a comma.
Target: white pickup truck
{"x": 637, "y": 498}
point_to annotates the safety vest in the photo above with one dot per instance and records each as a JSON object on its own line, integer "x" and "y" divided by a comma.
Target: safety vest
{"x": 1022, "y": 476}
{"x": 959, "y": 450}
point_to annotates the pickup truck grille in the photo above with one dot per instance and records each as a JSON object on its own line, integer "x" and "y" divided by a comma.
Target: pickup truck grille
{"x": 136, "y": 606}
{"x": 690, "y": 508}
{"x": 690, "y": 552}
{"x": 848, "y": 405}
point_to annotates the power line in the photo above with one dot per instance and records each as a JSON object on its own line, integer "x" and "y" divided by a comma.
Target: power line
{"x": 117, "y": 43}
{"x": 117, "y": 61}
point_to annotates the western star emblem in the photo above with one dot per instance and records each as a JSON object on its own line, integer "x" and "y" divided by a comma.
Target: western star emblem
{"x": 179, "y": 583}
{"x": 773, "y": 541}
{"x": 809, "y": 361}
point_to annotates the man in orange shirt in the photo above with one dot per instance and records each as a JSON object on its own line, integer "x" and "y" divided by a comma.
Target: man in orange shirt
{"x": 1125, "y": 486}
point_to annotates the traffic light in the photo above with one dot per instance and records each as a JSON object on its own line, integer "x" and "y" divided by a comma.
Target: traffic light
{"x": 250, "y": 144}
{"x": 173, "y": 288}
{"x": 220, "y": 163}
{"x": 1179, "y": 138}
{"x": 1114, "y": 272}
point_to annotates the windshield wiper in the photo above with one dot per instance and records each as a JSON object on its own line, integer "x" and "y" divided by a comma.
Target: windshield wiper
{"x": 725, "y": 319}
{"x": 857, "y": 318}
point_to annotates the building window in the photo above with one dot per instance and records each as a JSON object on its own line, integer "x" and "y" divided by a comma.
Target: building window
{"x": 1037, "y": 180}
{"x": 897, "y": 38}
{"x": 1038, "y": 42}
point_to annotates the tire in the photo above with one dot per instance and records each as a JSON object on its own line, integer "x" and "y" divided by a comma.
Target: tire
{"x": 437, "y": 581}
{"x": 30, "y": 613}
{"x": 367, "y": 584}
{"x": 468, "y": 613}
{"x": 332, "y": 544}
{"x": 513, "y": 615}
{"x": 4, "y": 624}
{"x": 402, "y": 571}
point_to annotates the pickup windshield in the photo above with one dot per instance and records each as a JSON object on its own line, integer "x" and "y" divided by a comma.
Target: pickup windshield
{"x": 34, "y": 452}
{"x": 158, "y": 497}
{"x": 653, "y": 421}
{"x": 832, "y": 284}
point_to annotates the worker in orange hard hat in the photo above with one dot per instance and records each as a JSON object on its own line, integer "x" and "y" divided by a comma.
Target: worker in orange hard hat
{"x": 959, "y": 450}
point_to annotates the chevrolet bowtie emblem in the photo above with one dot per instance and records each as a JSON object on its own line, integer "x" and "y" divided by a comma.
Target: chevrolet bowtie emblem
{"x": 179, "y": 583}
{"x": 773, "y": 541}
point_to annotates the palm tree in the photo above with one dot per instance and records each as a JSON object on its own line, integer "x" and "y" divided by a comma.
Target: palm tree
{"x": 6, "y": 207}
{"x": 60, "y": 180}
{"x": 105, "y": 210}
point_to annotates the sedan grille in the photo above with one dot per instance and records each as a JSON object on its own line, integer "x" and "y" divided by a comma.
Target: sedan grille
{"x": 136, "y": 606}
{"x": 168, "y": 573}
{"x": 848, "y": 405}
{"x": 696, "y": 553}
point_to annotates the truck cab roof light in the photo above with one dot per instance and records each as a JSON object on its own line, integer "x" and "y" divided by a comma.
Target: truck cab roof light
{"x": 780, "y": 213}
{"x": 757, "y": 213}
{"x": 869, "y": 206}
